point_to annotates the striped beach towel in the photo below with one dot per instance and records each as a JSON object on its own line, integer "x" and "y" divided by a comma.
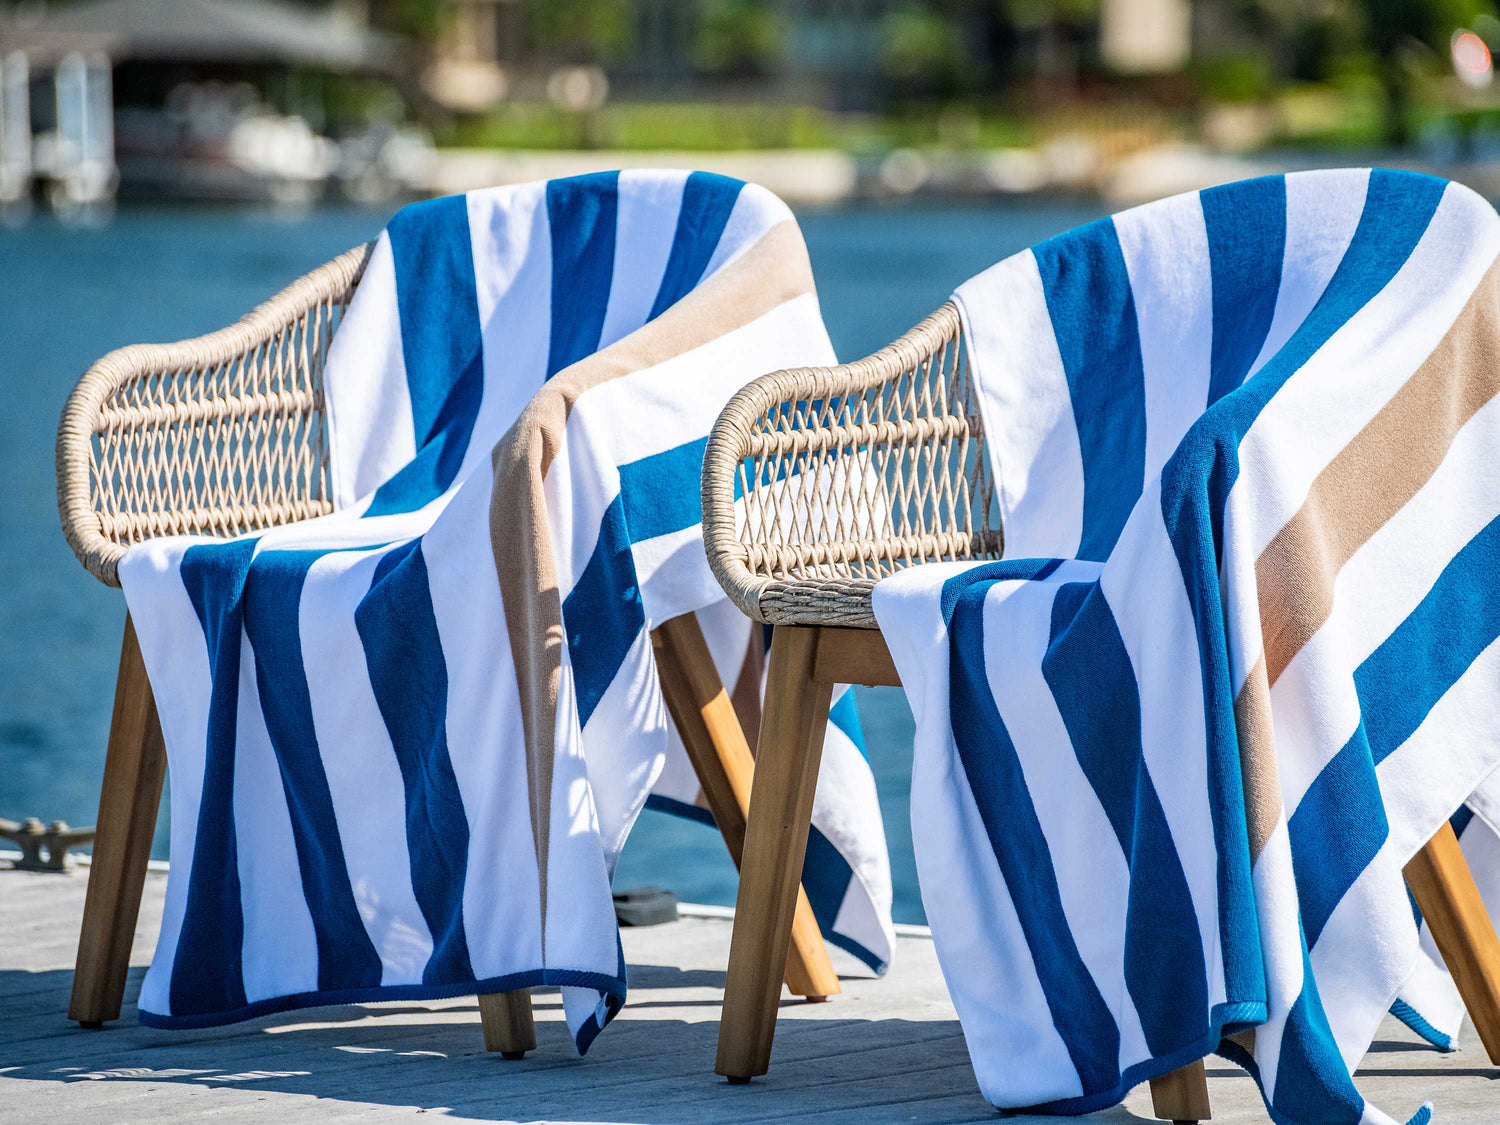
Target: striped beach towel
{"x": 407, "y": 740}
{"x": 1239, "y": 662}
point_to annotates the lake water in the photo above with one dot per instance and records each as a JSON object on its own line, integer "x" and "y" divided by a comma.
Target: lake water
{"x": 69, "y": 295}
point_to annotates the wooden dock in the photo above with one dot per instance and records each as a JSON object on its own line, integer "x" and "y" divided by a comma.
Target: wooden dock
{"x": 885, "y": 1050}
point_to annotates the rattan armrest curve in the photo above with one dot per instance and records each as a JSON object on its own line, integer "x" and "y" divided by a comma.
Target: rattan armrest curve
{"x": 824, "y": 583}
{"x": 94, "y": 526}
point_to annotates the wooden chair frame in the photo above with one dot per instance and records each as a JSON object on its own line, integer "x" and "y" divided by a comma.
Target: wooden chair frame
{"x": 224, "y": 434}
{"x": 848, "y": 474}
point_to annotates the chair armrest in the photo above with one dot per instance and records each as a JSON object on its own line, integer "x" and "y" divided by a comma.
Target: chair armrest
{"x": 818, "y": 482}
{"x": 217, "y": 435}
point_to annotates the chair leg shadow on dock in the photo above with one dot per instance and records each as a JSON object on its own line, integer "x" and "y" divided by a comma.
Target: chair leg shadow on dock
{"x": 883, "y": 1049}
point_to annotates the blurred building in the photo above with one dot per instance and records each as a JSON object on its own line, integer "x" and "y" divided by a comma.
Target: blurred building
{"x": 198, "y": 98}
{"x": 826, "y": 51}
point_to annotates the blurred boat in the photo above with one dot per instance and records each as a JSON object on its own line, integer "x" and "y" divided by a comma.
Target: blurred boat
{"x": 170, "y": 99}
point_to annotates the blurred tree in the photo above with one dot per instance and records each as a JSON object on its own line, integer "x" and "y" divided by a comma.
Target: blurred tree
{"x": 922, "y": 51}
{"x": 583, "y": 31}
{"x": 1393, "y": 29}
{"x": 739, "y": 37}
{"x": 1059, "y": 27}
{"x": 422, "y": 20}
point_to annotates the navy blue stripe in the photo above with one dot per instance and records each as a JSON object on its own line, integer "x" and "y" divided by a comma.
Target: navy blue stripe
{"x": 1092, "y": 310}
{"x": 409, "y": 677}
{"x": 1312, "y": 1082}
{"x": 707, "y": 202}
{"x": 603, "y": 614}
{"x": 1088, "y": 670}
{"x": 1001, "y": 570}
{"x": 206, "y": 968}
{"x": 1460, "y": 819}
{"x": 826, "y": 876}
{"x": 1340, "y": 822}
{"x": 1195, "y": 484}
{"x": 1402, "y": 680}
{"x": 582, "y": 212}
{"x": 273, "y": 596}
{"x": 441, "y": 345}
{"x": 1246, "y": 225}
{"x": 1079, "y": 1013}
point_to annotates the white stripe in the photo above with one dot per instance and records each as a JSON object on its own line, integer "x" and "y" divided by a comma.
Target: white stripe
{"x": 370, "y": 432}
{"x": 1365, "y": 951}
{"x": 279, "y": 950}
{"x": 1280, "y": 921}
{"x": 176, "y": 657}
{"x": 486, "y": 742}
{"x": 1165, "y": 247}
{"x": 512, "y": 247}
{"x": 1019, "y": 376}
{"x": 1445, "y": 759}
{"x": 647, "y": 215}
{"x": 622, "y": 771}
{"x": 580, "y": 926}
{"x": 620, "y": 419}
{"x": 1322, "y": 213}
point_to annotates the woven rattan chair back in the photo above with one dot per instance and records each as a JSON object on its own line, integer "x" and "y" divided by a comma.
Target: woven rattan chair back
{"x": 216, "y": 436}
{"x": 847, "y": 474}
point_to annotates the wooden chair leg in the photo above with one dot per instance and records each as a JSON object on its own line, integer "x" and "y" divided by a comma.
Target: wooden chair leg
{"x": 1441, "y": 883}
{"x": 1181, "y": 1096}
{"x": 506, "y": 1019}
{"x": 716, "y": 745}
{"x": 134, "y": 768}
{"x": 786, "y": 775}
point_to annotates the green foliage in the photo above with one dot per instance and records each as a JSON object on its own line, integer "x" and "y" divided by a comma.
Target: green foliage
{"x": 695, "y": 127}
{"x": 739, "y": 37}
{"x": 1242, "y": 77}
{"x": 1030, "y": 15}
{"x": 1431, "y": 22}
{"x": 919, "y": 42}
{"x": 588, "y": 31}
{"x": 422, "y": 20}
{"x": 925, "y": 57}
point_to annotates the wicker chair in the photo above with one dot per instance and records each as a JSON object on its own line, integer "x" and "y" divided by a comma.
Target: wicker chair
{"x": 226, "y": 434}
{"x": 848, "y": 474}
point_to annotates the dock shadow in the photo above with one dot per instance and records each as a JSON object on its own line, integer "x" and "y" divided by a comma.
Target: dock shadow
{"x": 431, "y": 1058}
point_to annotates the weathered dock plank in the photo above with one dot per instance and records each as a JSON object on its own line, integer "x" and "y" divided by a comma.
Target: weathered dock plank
{"x": 885, "y": 1050}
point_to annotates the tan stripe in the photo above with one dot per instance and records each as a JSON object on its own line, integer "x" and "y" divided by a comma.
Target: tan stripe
{"x": 1375, "y": 475}
{"x": 1245, "y": 1039}
{"x": 772, "y": 272}
{"x": 747, "y": 694}
{"x": 1257, "y": 738}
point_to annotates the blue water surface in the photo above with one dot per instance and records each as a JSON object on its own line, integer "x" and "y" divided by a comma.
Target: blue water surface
{"x": 70, "y": 294}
